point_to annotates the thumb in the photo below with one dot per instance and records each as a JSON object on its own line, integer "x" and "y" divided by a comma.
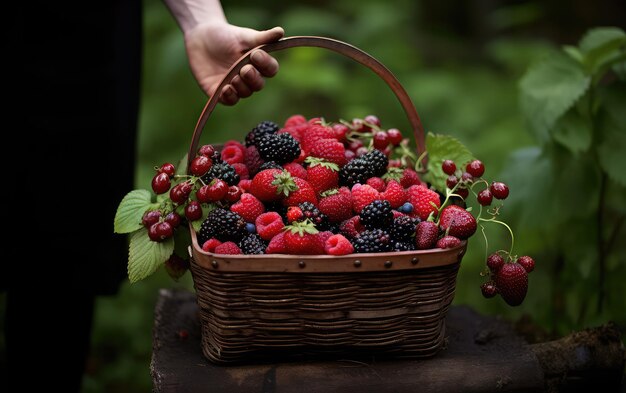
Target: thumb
{"x": 256, "y": 38}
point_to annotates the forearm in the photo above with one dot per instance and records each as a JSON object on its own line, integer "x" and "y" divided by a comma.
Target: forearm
{"x": 188, "y": 13}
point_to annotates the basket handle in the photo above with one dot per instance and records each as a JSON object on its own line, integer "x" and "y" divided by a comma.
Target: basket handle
{"x": 321, "y": 42}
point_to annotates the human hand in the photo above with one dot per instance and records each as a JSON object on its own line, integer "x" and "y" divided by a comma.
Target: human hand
{"x": 212, "y": 48}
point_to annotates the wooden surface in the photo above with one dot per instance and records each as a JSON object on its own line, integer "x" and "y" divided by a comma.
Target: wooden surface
{"x": 483, "y": 354}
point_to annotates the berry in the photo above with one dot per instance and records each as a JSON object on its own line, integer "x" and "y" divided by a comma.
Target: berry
{"x": 457, "y": 221}
{"x": 448, "y": 167}
{"x": 302, "y": 238}
{"x": 303, "y": 193}
{"x": 358, "y": 125}
{"x": 269, "y": 184}
{"x": 277, "y": 244}
{"x": 409, "y": 178}
{"x": 351, "y": 227}
{"x": 150, "y": 218}
{"x": 168, "y": 169}
{"x": 294, "y": 213}
{"x": 244, "y": 185}
{"x": 233, "y": 194}
{"x": 269, "y": 225}
{"x": 193, "y": 211}
{"x": 206, "y": 150}
{"x": 213, "y": 192}
{"x": 341, "y": 131}
{"x": 448, "y": 242}
{"x": 338, "y": 245}
{"x": 484, "y": 197}
{"x": 475, "y": 168}
{"x": 527, "y": 263}
{"x": 161, "y": 183}
{"x": 228, "y": 248}
{"x": 173, "y": 219}
{"x": 452, "y": 181}
{"x": 260, "y": 130}
{"x": 424, "y": 200}
{"x": 233, "y": 154}
{"x": 407, "y": 207}
{"x": 495, "y": 262}
{"x": 250, "y": 227}
{"x": 395, "y": 136}
{"x": 377, "y": 214}
{"x": 349, "y": 155}
{"x": 373, "y": 120}
{"x": 200, "y": 165}
{"x": 355, "y": 171}
{"x": 467, "y": 178}
{"x": 296, "y": 170}
{"x": 223, "y": 225}
{"x": 176, "y": 266}
{"x": 324, "y": 235}
{"x": 160, "y": 231}
{"x": 313, "y": 214}
{"x": 209, "y": 245}
{"x": 462, "y": 192}
{"x": 395, "y": 194}
{"x": 361, "y": 151}
{"x": 372, "y": 240}
{"x": 248, "y": 207}
{"x": 295, "y": 120}
{"x": 321, "y": 174}
{"x": 403, "y": 246}
{"x": 499, "y": 190}
{"x": 381, "y": 140}
{"x": 329, "y": 149}
{"x": 489, "y": 289}
{"x": 363, "y": 196}
{"x": 270, "y": 165}
{"x": 403, "y": 229}
{"x": 426, "y": 235}
{"x": 241, "y": 170}
{"x": 355, "y": 145}
{"x": 252, "y": 160}
{"x": 281, "y": 148}
{"x": 512, "y": 283}
{"x": 337, "y": 205}
{"x": 378, "y": 161}
{"x": 252, "y": 244}
{"x": 314, "y": 134}
{"x": 224, "y": 171}
{"x": 377, "y": 183}
{"x": 180, "y": 192}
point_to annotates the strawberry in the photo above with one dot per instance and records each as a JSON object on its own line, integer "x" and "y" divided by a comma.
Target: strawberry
{"x": 457, "y": 221}
{"x": 336, "y": 204}
{"x": 448, "y": 242}
{"x": 512, "y": 283}
{"x": 271, "y": 184}
{"x": 426, "y": 235}
{"x": 233, "y": 154}
{"x": 351, "y": 227}
{"x": 377, "y": 183}
{"x": 301, "y": 238}
{"x": 321, "y": 174}
{"x": 527, "y": 263}
{"x": 277, "y": 244}
{"x": 395, "y": 194}
{"x": 495, "y": 262}
{"x": 363, "y": 195}
{"x": 315, "y": 133}
{"x": 294, "y": 213}
{"x": 303, "y": 193}
{"x": 296, "y": 170}
{"x": 228, "y": 248}
{"x": 424, "y": 201}
{"x": 209, "y": 245}
{"x": 338, "y": 245}
{"x": 253, "y": 160}
{"x": 295, "y": 120}
{"x": 248, "y": 207}
{"x": 409, "y": 178}
{"x": 242, "y": 170}
{"x": 329, "y": 149}
{"x": 269, "y": 225}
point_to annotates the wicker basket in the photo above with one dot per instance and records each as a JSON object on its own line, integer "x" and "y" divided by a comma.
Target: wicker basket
{"x": 256, "y": 307}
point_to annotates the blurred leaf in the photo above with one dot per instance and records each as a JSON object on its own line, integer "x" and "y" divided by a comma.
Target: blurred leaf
{"x": 549, "y": 89}
{"x": 578, "y": 247}
{"x": 600, "y": 37}
{"x": 620, "y": 70}
{"x": 145, "y": 256}
{"x": 515, "y": 15}
{"x": 131, "y": 210}
{"x": 612, "y": 147}
{"x": 573, "y": 131}
{"x": 440, "y": 148}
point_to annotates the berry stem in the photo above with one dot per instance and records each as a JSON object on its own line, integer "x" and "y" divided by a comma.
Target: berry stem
{"x": 419, "y": 168}
{"x": 482, "y": 230}
{"x": 492, "y": 219}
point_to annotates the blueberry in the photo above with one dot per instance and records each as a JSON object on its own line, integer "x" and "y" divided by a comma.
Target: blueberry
{"x": 250, "y": 227}
{"x": 406, "y": 208}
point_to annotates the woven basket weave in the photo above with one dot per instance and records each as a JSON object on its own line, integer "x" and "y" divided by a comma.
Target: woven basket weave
{"x": 255, "y": 307}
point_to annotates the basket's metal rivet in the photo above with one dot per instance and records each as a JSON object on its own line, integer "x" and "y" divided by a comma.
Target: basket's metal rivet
{"x": 414, "y": 261}
{"x": 214, "y": 264}
{"x": 388, "y": 264}
{"x": 302, "y": 264}
{"x": 357, "y": 263}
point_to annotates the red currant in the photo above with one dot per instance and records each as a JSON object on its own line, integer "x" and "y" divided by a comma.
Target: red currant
{"x": 200, "y": 165}
{"x": 452, "y": 181}
{"x": 462, "y": 192}
{"x": 160, "y": 231}
{"x": 475, "y": 168}
{"x": 173, "y": 219}
{"x": 489, "y": 289}
{"x": 381, "y": 140}
{"x": 485, "y": 197}
{"x": 395, "y": 136}
{"x": 467, "y": 177}
{"x": 340, "y": 130}
{"x": 168, "y": 168}
{"x": 161, "y": 183}
{"x": 206, "y": 150}
{"x": 193, "y": 211}
{"x": 233, "y": 194}
{"x": 150, "y": 218}
{"x": 527, "y": 263}
{"x": 180, "y": 192}
{"x": 371, "y": 119}
{"x": 495, "y": 262}
{"x": 448, "y": 167}
{"x": 499, "y": 190}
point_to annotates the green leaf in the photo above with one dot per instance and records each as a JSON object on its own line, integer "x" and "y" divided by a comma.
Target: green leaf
{"x": 145, "y": 256}
{"x": 181, "y": 168}
{"x": 600, "y": 37}
{"x": 549, "y": 89}
{"x": 131, "y": 210}
{"x": 573, "y": 131}
{"x": 440, "y": 148}
{"x": 612, "y": 129}
{"x": 620, "y": 70}
{"x": 206, "y": 209}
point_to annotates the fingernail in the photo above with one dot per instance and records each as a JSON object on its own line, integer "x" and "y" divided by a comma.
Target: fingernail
{"x": 257, "y": 56}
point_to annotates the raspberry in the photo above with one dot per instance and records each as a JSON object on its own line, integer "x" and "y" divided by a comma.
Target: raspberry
{"x": 269, "y": 225}
{"x": 409, "y": 178}
{"x": 351, "y": 227}
{"x": 209, "y": 245}
{"x": 329, "y": 149}
{"x": 294, "y": 213}
{"x": 296, "y": 170}
{"x": 363, "y": 196}
{"x": 338, "y": 245}
{"x": 233, "y": 154}
{"x": 424, "y": 200}
{"x": 295, "y": 120}
{"x": 241, "y": 170}
{"x": 248, "y": 207}
{"x": 377, "y": 183}
{"x": 395, "y": 194}
{"x": 229, "y": 248}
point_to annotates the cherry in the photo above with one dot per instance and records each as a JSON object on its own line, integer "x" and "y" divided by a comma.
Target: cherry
{"x": 485, "y": 197}
{"x": 462, "y": 192}
{"x": 150, "y": 218}
{"x": 161, "y": 183}
{"x": 168, "y": 168}
{"x": 449, "y": 167}
{"x": 467, "y": 177}
{"x": 381, "y": 140}
{"x": 495, "y": 262}
{"x": 340, "y": 130}
{"x": 475, "y": 168}
{"x": 489, "y": 289}
{"x": 193, "y": 211}
{"x": 355, "y": 144}
{"x": 395, "y": 136}
{"x": 200, "y": 165}
{"x": 206, "y": 150}
{"x": 349, "y": 154}
{"x": 359, "y": 126}
{"x": 213, "y": 192}
{"x": 160, "y": 231}
{"x": 233, "y": 194}
{"x": 499, "y": 190}
{"x": 371, "y": 119}
{"x": 527, "y": 263}
{"x": 173, "y": 219}
{"x": 180, "y": 192}
{"x": 203, "y": 194}
{"x": 360, "y": 151}
{"x": 452, "y": 181}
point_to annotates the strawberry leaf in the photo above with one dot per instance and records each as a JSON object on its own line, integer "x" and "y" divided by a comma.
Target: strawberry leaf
{"x": 573, "y": 131}
{"x": 393, "y": 173}
{"x": 131, "y": 210}
{"x": 440, "y": 148}
{"x": 145, "y": 256}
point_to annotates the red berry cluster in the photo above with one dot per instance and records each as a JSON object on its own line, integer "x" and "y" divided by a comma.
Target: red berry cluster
{"x": 508, "y": 278}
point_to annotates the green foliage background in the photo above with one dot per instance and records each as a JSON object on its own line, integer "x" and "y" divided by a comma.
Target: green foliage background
{"x": 461, "y": 64}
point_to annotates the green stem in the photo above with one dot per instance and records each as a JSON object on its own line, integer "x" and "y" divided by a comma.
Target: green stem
{"x": 600, "y": 243}
{"x": 507, "y": 227}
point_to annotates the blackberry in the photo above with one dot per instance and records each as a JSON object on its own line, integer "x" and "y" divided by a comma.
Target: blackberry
{"x": 403, "y": 246}
{"x": 278, "y": 208}
{"x": 261, "y": 129}
{"x": 377, "y": 160}
{"x": 252, "y": 244}
{"x": 357, "y": 170}
{"x": 270, "y": 165}
{"x": 223, "y": 225}
{"x": 315, "y": 215}
{"x": 377, "y": 214}
{"x": 403, "y": 229}
{"x": 282, "y": 148}
{"x": 224, "y": 171}
{"x": 372, "y": 240}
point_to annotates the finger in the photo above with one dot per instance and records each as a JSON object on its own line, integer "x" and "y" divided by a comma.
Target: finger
{"x": 256, "y": 38}
{"x": 266, "y": 64}
{"x": 229, "y": 95}
{"x": 241, "y": 88}
{"x": 252, "y": 78}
